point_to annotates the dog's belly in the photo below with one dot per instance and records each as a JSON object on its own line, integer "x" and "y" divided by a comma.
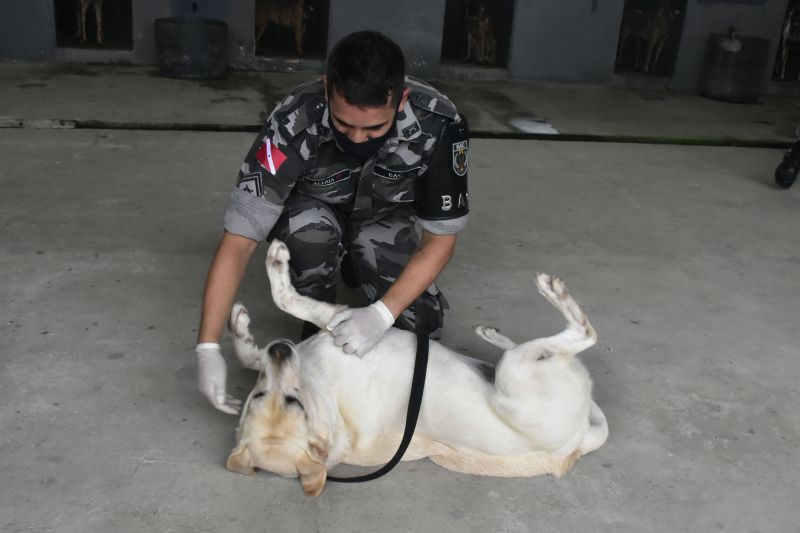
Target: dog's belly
{"x": 372, "y": 395}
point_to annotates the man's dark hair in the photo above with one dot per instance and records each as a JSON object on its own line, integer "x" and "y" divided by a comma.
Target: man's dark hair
{"x": 366, "y": 67}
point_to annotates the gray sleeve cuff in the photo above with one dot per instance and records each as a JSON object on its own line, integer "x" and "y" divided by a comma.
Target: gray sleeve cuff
{"x": 250, "y": 216}
{"x": 444, "y": 227}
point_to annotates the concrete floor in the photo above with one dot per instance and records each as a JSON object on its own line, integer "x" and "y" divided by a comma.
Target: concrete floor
{"x": 685, "y": 259}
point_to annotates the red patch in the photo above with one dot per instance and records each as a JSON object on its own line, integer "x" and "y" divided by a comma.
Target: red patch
{"x": 270, "y": 157}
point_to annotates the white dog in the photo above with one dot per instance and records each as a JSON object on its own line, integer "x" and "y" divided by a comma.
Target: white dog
{"x": 314, "y": 407}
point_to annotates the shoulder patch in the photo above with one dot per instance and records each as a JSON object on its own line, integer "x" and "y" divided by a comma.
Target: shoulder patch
{"x": 460, "y": 158}
{"x": 426, "y": 97}
{"x": 270, "y": 157}
{"x": 433, "y": 104}
{"x": 411, "y": 129}
{"x": 305, "y": 108}
{"x": 252, "y": 183}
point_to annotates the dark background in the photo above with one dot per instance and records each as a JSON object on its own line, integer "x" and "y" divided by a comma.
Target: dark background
{"x": 279, "y": 40}
{"x": 117, "y": 24}
{"x": 454, "y": 39}
{"x": 666, "y": 62}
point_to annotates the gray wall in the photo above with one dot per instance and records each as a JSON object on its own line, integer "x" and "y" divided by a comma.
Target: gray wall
{"x": 416, "y": 25}
{"x": 552, "y": 39}
{"x": 755, "y": 18}
{"x": 26, "y": 30}
{"x": 565, "y": 40}
{"x": 145, "y": 12}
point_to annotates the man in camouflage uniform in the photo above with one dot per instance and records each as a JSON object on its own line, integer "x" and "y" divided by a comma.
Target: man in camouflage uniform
{"x": 366, "y": 161}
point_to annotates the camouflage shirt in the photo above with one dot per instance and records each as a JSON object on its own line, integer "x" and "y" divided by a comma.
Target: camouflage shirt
{"x": 295, "y": 153}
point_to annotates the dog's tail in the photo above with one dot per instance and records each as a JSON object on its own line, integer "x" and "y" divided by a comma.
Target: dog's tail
{"x": 598, "y": 431}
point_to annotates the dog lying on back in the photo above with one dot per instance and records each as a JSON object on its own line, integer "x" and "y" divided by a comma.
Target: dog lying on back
{"x": 314, "y": 407}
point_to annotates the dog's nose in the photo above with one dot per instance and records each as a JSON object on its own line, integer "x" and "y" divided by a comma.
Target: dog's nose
{"x": 279, "y": 352}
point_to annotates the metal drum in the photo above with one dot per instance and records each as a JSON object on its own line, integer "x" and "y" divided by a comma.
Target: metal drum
{"x": 735, "y": 68}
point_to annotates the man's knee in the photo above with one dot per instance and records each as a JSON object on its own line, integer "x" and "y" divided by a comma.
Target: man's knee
{"x": 381, "y": 252}
{"x": 313, "y": 237}
{"x": 385, "y": 246}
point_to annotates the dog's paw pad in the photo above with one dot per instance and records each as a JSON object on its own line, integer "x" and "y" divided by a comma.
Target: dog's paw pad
{"x": 240, "y": 320}
{"x": 559, "y": 287}
{"x": 278, "y": 256}
{"x": 544, "y": 282}
{"x": 488, "y": 333}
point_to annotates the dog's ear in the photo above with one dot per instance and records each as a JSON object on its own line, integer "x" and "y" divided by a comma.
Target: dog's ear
{"x": 319, "y": 448}
{"x": 240, "y": 460}
{"x": 312, "y": 475}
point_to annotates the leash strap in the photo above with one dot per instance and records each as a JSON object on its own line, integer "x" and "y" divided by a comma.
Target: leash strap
{"x": 414, "y": 400}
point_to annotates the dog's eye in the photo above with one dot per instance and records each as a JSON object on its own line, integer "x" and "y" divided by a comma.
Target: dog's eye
{"x": 293, "y": 400}
{"x": 547, "y": 354}
{"x": 258, "y": 395}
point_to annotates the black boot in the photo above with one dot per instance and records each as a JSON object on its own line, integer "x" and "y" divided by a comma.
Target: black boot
{"x": 787, "y": 171}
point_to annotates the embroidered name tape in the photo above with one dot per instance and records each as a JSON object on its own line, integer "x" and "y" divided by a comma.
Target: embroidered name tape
{"x": 390, "y": 174}
{"x": 340, "y": 176}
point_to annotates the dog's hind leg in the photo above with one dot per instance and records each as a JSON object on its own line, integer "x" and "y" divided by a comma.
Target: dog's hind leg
{"x": 598, "y": 431}
{"x": 621, "y": 46}
{"x": 649, "y": 63}
{"x": 78, "y": 18}
{"x": 657, "y": 53}
{"x": 286, "y": 297}
{"x": 784, "y": 59}
{"x": 299, "y": 30}
{"x": 84, "y": 6}
{"x": 579, "y": 334}
{"x": 98, "y": 19}
{"x": 494, "y": 337}
{"x": 250, "y": 355}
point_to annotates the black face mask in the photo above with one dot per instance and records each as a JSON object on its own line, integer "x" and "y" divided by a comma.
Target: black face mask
{"x": 363, "y": 150}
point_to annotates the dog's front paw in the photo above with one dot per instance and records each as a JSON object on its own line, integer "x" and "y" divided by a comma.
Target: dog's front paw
{"x": 551, "y": 286}
{"x": 485, "y": 331}
{"x": 493, "y": 336}
{"x": 544, "y": 282}
{"x": 278, "y": 256}
{"x": 239, "y": 322}
{"x": 560, "y": 288}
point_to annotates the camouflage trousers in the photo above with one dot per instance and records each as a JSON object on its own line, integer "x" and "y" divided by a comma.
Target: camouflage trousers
{"x": 317, "y": 234}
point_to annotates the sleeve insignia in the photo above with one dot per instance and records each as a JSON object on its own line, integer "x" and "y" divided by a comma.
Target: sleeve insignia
{"x": 460, "y": 158}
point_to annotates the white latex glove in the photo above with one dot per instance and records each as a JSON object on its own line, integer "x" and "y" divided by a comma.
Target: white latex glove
{"x": 211, "y": 378}
{"x": 358, "y": 330}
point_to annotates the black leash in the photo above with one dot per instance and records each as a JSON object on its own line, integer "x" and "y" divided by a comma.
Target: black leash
{"x": 414, "y": 401}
